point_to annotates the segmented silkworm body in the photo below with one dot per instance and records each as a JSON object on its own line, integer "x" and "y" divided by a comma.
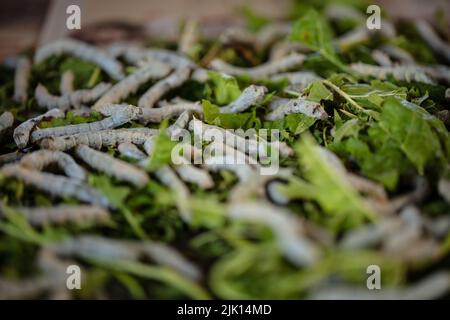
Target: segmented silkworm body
{"x": 56, "y": 185}
{"x": 115, "y": 120}
{"x": 286, "y": 227}
{"x": 83, "y": 51}
{"x": 21, "y": 78}
{"x": 6, "y": 121}
{"x": 192, "y": 174}
{"x": 362, "y": 34}
{"x": 407, "y": 73}
{"x": 180, "y": 190}
{"x": 42, "y": 158}
{"x": 74, "y": 98}
{"x": 433, "y": 40}
{"x": 159, "y": 89}
{"x": 67, "y": 81}
{"x": 299, "y": 105}
{"x": 99, "y": 139}
{"x": 189, "y": 36}
{"x": 131, "y": 151}
{"x": 262, "y": 71}
{"x": 109, "y": 109}
{"x": 250, "y": 96}
{"x": 173, "y": 59}
{"x": 131, "y": 84}
{"x": 397, "y": 53}
{"x": 381, "y": 58}
{"x": 284, "y": 48}
{"x": 96, "y": 247}
{"x": 114, "y": 167}
{"x": 298, "y": 80}
{"x": 22, "y": 132}
{"x": 170, "y": 111}
{"x": 63, "y": 214}
{"x": 175, "y": 130}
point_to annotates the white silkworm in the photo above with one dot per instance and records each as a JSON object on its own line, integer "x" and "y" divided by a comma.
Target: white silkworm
{"x": 175, "y": 130}
{"x": 131, "y": 151}
{"x": 433, "y": 39}
{"x": 163, "y": 86}
{"x": 109, "y": 109}
{"x": 286, "y": 227}
{"x": 244, "y": 172}
{"x": 173, "y": 59}
{"x": 63, "y": 214}
{"x": 6, "y": 121}
{"x": 105, "y": 163}
{"x": 299, "y": 105}
{"x": 285, "y": 48}
{"x": 189, "y": 37}
{"x": 192, "y": 174}
{"x": 261, "y": 71}
{"x": 115, "y": 120}
{"x": 277, "y": 102}
{"x": 83, "y": 51}
{"x": 99, "y": 139}
{"x": 75, "y": 98}
{"x": 361, "y": 34}
{"x": 170, "y": 111}
{"x": 250, "y": 96}
{"x": 381, "y": 58}
{"x": 22, "y": 132}
{"x": 200, "y": 75}
{"x": 407, "y": 73}
{"x": 21, "y": 79}
{"x": 66, "y": 85}
{"x": 131, "y": 84}
{"x": 56, "y": 185}
{"x": 42, "y": 158}
{"x": 298, "y": 80}
{"x": 181, "y": 192}
{"x": 403, "y": 56}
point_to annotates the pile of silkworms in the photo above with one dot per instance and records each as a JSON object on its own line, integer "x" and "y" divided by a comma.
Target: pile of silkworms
{"x": 58, "y": 160}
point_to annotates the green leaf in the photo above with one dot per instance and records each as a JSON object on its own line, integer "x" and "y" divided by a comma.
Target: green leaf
{"x": 331, "y": 189}
{"x": 207, "y": 212}
{"x": 162, "y": 151}
{"x": 224, "y": 88}
{"x": 115, "y": 194}
{"x": 253, "y": 21}
{"x": 69, "y": 119}
{"x": 213, "y": 116}
{"x": 317, "y": 92}
{"x": 86, "y": 73}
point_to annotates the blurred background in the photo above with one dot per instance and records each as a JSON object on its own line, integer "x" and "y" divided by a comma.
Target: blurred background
{"x": 25, "y": 23}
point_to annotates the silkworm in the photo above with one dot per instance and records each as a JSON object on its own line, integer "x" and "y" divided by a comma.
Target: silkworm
{"x": 437, "y": 72}
{"x": 403, "y": 56}
{"x": 250, "y": 96}
{"x": 361, "y": 34}
{"x": 433, "y": 40}
{"x": 105, "y": 163}
{"x": 83, "y": 51}
{"x": 115, "y": 120}
{"x": 131, "y": 151}
{"x": 22, "y": 132}
{"x": 66, "y": 85}
{"x": 200, "y": 75}
{"x": 406, "y": 73}
{"x": 75, "y": 98}
{"x": 149, "y": 55}
{"x": 189, "y": 36}
{"x": 56, "y": 185}
{"x": 381, "y": 58}
{"x": 287, "y": 229}
{"x": 109, "y": 109}
{"x": 63, "y": 214}
{"x": 192, "y": 174}
{"x": 175, "y": 130}
{"x": 284, "y": 48}
{"x": 181, "y": 192}
{"x": 299, "y": 105}
{"x": 21, "y": 79}
{"x": 99, "y": 139}
{"x": 244, "y": 172}
{"x": 131, "y": 84}
{"x": 261, "y": 71}
{"x": 298, "y": 80}
{"x": 163, "y": 86}
{"x": 169, "y": 111}
{"x": 24, "y": 289}
{"x": 40, "y": 159}
{"x": 6, "y": 121}
{"x": 432, "y": 287}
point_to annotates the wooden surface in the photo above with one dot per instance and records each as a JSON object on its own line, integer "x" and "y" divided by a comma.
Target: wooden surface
{"x": 24, "y": 23}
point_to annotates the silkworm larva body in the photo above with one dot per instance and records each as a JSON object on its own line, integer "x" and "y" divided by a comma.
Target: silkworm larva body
{"x": 407, "y": 73}
{"x": 169, "y": 111}
{"x": 298, "y": 80}
{"x": 177, "y": 78}
{"x": 173, "y": 59}
{"x": 119, "y": 169}
{"x": 175, "y": 130}
{"x": 56, "y": 185}
{"x": 433, "y": 40}
{"x": 99, "y": 139}
{"x": 262, "y": 71}
{"x": 131, "y": 84}
{"x": 131, "y": 151}
{"x": 67, "y": 81}
{"x": 192, "y": 174}
{"x": 115, "y": 120}
{"x": 6, "y": 121}
{"x": 22, "y": 132}
{"x": 21, "y": 79}
{"x": 40, "y": 159}
{"x": 299, "y": 105}
{"x": 189, "y": 36}
{"x": 83, "y": 51}
{"x": 250, "y": 96}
